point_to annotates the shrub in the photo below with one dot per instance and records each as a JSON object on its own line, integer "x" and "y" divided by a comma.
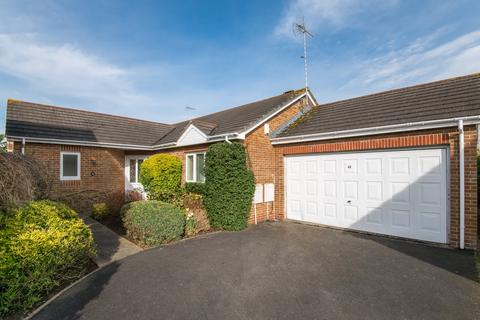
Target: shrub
{"x": 195, "y": 187}
{"x": 193, "y": 204}
{"x": 99, "y": 211}
{"x": 153, "y": 222}
{"x": 133, "y": 195}
{"x": 229, "y": 186}
{"x": 161, "y": 176}
{"x": 22, "y": 179}
{"x": 43, "y": 245}
{"x": 190, "y": 225}
{"x": 84, "y": 199}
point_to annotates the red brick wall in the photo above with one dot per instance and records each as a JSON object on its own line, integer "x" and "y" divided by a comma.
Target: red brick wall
{"x": 102, "y": 181}
{"x": 261, "y": 154}
{"x": 447, "y": 137}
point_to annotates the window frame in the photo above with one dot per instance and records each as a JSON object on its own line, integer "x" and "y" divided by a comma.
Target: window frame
{"x": 194, "y": 154}
{"x": 70, "y": 178}
{"x": 137, "y": 168}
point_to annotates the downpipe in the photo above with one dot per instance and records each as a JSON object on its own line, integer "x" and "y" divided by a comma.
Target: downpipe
{"x": 461, "y": 148}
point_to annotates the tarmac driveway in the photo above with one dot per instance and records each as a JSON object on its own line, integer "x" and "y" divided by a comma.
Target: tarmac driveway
{"x": 279, "y": 271}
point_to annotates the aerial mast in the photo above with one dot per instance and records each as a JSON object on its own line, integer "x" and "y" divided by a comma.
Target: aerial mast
{"x": 299, "y": 28}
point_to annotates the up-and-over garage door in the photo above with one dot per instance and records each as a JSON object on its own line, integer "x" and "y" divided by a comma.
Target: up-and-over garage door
{"x": 399, "y": 193}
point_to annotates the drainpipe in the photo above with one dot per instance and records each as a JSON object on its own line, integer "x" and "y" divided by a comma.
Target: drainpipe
{"x": 461, "y": 145}
{"x": 23, "y": 146}
{"x": 226, "y": 140}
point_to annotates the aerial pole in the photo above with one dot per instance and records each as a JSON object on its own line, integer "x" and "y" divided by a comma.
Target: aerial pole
{"x": 299, "y": 28}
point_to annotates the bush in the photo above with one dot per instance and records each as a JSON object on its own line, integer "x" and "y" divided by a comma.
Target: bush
{"x": 133, "y": 195}
{"x": 22, "y": 179}
{"x": 99, "y": 211}
{"x": 161, "y": 177}
{"x": 193, "y": 204}
{"x": 190, "y": 225}
{"x": 229, "y": 186}
{"x": 43, "y": 245}
{"x": 153, "y": 222}
{"x": 195, "y": 187}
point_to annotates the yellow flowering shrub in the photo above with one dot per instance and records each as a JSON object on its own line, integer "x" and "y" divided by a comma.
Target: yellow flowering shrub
{"x": 42, "y": 246}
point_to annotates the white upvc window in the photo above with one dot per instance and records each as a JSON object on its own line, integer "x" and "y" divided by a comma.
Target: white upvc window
{"x": 195, "y": 167}
{"x": 69, "y": 165}
{"x": 134, "y": 172}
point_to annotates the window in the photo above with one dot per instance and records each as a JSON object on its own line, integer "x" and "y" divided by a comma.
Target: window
{"x": 195, "y": 170}
{"x": 70, "y": 166}
{"x": 134, "y": 170}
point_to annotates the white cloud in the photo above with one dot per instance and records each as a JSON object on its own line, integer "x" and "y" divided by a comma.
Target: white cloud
{"x": 66, "y": 70}
{"x": 318, "y": 12}
{"x": 421, "y": 61}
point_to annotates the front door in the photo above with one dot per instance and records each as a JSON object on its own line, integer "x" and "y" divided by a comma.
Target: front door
{"x": 132, "y": 173}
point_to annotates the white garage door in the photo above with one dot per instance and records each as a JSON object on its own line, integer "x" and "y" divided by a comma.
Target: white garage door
{"x": 399, "y": 193}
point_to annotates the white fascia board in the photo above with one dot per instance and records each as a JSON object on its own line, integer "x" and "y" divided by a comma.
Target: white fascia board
{"x": 244, "y": 133}
{"x": 415, "y": 126}
{"x": 88, "y": 143}
{"x": 232, "y": 136}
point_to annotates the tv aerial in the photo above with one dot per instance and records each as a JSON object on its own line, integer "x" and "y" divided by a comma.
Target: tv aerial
{"x": 301, "y": 29}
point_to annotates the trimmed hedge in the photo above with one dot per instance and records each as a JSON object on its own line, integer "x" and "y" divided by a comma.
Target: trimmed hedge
{"x": 195, "y": 187}
{"x": 42, "y": 246}
{"x": 229, "y": 186}
{"x": 161, "y": 177}
{"x": 153, "y": 222}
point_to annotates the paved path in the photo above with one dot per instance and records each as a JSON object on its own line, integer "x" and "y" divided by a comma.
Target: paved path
{"x": 279, "y": 271}
{"x": 110, "y": 246}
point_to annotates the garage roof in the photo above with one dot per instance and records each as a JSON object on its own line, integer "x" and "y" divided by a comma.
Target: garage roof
{"x": 445, "y": 99}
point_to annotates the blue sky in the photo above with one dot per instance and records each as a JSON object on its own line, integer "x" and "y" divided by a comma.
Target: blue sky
{"x": 152, "y": 59}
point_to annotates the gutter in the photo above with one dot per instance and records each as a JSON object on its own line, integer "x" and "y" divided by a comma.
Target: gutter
{"x": 89, "y": 143}
{"x": 221, "y": 137}
{"x": 412, "y": 126}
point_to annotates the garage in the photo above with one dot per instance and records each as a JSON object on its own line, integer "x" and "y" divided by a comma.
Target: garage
{"x": 400, "y": 193}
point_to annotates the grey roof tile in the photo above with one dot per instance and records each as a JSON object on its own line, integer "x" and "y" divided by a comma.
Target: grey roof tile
{"x": 32, "y": 120}
{"x": 451, "y": 98}
{"x": 25, "y": 119}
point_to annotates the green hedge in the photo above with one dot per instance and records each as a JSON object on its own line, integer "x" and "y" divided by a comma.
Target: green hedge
{"x": 195, "y": 187}
{"x": 229, "y": 186}
{"x": 153, "y": 222}
{"x": 42, "y": 246}
{"x": 161, "y": 176}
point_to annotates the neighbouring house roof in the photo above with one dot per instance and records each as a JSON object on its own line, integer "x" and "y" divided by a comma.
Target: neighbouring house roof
{"x": 444, "y": 99}
{"x": 38, "y": 121}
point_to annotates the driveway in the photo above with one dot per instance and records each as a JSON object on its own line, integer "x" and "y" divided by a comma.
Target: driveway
{"x": 279, "y": 271}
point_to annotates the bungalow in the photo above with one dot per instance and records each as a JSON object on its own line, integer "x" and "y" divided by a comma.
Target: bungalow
{"x": 96, "y": 157}
{"x": 400, "y": 163}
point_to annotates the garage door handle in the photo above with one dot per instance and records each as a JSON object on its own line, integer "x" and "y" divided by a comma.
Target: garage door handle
{"x": 349, "y": 201}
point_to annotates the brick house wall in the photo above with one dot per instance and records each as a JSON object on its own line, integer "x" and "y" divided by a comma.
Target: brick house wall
{"x": 439, "y": 137}
{"x": 261, "y": 154}
{"x": 101, "y": 174}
